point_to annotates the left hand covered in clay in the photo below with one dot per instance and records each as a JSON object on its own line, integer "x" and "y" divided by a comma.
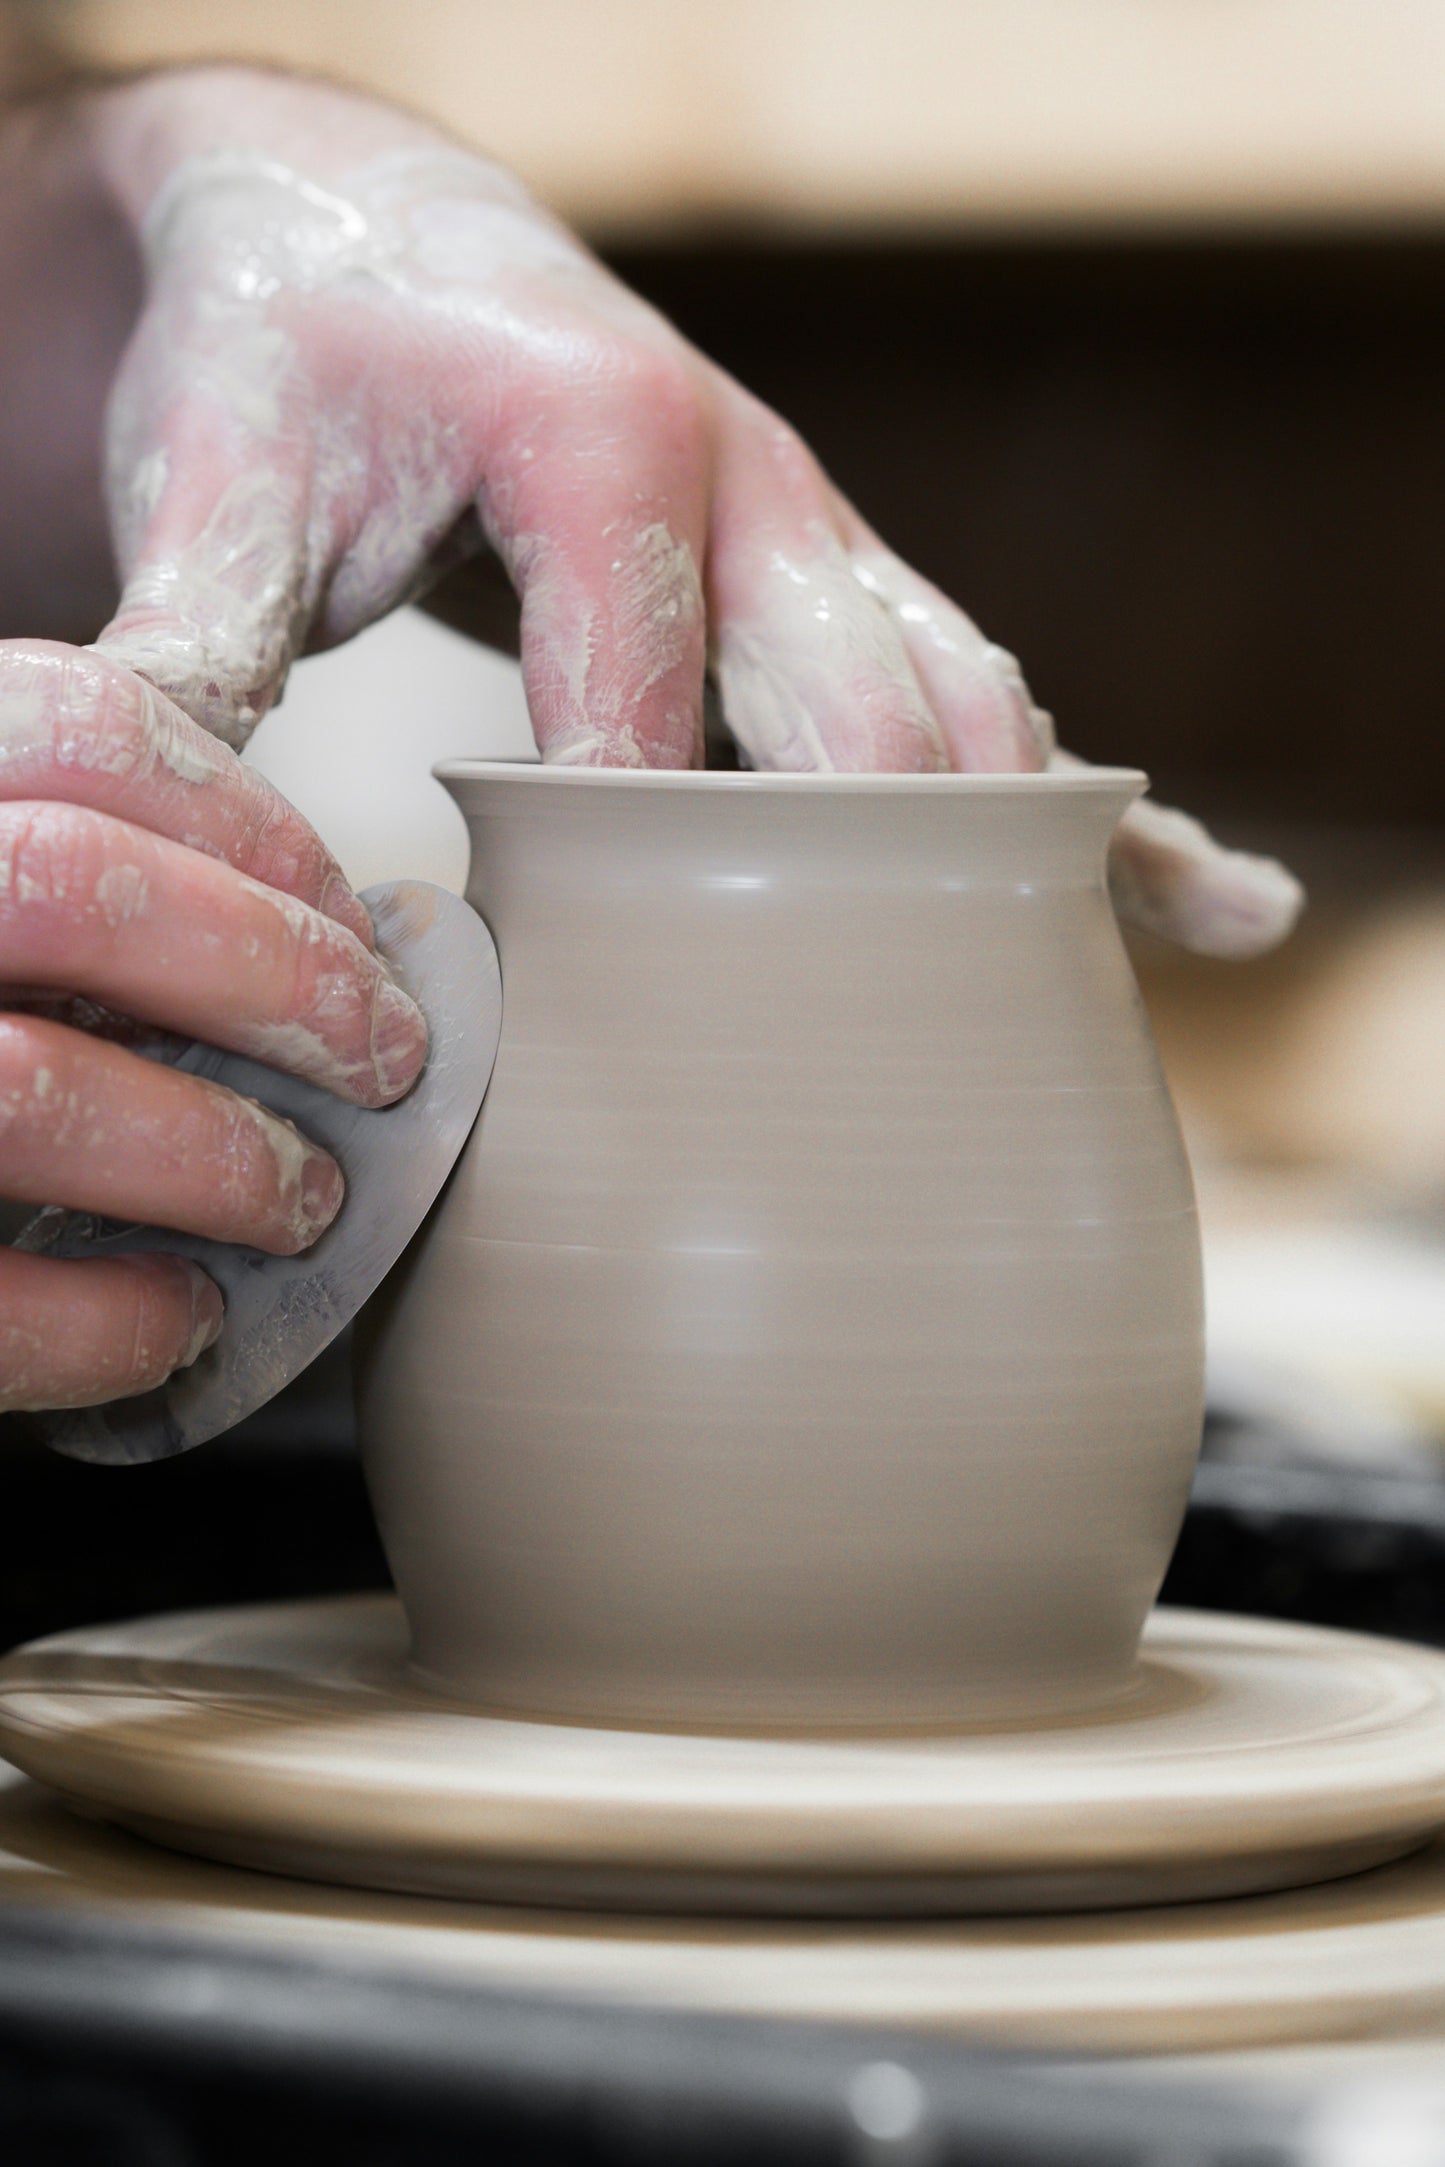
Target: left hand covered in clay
{"x": 363, "y": 352}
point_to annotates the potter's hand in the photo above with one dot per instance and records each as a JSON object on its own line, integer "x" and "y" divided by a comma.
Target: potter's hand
{"x": 145, "y": 871}
{"x": 363, "y": 350}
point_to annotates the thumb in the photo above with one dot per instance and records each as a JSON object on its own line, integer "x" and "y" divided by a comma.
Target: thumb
{"x": 210, "y": 518}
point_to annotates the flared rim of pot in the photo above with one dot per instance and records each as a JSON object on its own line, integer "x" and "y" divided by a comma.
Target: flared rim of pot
{"x": 1065, "y": 781}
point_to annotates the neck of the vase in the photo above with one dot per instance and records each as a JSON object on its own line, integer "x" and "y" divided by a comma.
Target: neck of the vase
{"x": 954, "y": 832}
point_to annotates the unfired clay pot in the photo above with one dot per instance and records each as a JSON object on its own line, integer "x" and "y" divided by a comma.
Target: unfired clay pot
{"x": 811, "y": 1331}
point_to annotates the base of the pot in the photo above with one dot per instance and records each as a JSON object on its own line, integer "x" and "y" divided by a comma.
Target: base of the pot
{"x": 288, "y": 1736}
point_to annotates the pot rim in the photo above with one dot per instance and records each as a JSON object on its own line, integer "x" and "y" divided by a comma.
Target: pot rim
{"x": 1066, "y": 781}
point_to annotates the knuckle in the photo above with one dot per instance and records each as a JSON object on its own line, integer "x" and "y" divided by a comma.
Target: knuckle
{"x": 273, "y": 843}
{"x": 100, "y": 725}
{"x": 30, "y": 684}
{"x": 791, "y": 459}
{"x": 51, "y": 855}
{"x": 26, "y": 1082}
{"x": 772, "y": 452}
{"x": 65, "y": 709}
{"x": 662, "y": 374}
{"x": 112, "y": 723}
{"x": 647, "y": 376}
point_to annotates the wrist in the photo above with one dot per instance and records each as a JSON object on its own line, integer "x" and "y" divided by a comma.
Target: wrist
{"x": 147, "y": 132}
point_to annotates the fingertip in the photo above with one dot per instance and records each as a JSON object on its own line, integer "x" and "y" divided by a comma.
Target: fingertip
{"x": 323, "y": 1191}
{"x": 1170, "y": 877}
{"x": 208, "y": 1311}
{"x": 399, "y": 1041}
{"x": 1243, "y": 908}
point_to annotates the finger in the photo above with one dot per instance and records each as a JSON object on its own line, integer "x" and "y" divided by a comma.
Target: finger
{"x": 78, "y": 728}
{"x": 210, "y": 475}
{"x": 73, "y": 1334}
{"x": 811, "y": 665}
{"x": 220, "y": 590}
{"x": 1169, "y": 876}
{"x": 95, "y": 1128}
{"x": 103, "y": 908}
{"x": 975, "y": 689}
{"x": 602, "y": 529}
{"x": 276, "y": 462}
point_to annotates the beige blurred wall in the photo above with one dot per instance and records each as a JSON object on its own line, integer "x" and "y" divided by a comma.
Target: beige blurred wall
{"x": 643, "y": 116}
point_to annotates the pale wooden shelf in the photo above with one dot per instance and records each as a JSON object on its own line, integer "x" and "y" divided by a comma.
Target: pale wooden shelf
{"x": 643, "y": 118}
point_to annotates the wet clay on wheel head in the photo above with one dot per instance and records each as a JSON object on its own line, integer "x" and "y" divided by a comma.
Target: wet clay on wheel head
{"x": 810, "y": 1334}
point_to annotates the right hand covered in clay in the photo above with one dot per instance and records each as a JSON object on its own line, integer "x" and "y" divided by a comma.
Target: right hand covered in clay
{"x": 145, "y": 873}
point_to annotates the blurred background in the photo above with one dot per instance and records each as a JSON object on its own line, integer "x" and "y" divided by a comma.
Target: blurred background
{"x": 1125, "y": 321}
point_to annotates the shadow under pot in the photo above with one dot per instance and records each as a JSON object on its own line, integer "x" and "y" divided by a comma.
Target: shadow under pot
{"x": 810, "y": 1334}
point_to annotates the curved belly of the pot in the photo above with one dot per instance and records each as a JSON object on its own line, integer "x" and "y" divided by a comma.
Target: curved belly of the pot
{"x": 811, "y": 1331}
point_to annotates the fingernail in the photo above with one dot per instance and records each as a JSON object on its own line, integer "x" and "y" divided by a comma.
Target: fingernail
{"x": 322, "y": 1189}
{"x": 208, "y": 1312}
{"x": 1245, "y": 906}
{"x": 309, "y": 1183}
{"x": 398, "y": 1040}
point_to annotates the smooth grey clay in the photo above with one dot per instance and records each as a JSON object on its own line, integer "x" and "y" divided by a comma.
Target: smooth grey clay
{"x": 811, "y": 1332}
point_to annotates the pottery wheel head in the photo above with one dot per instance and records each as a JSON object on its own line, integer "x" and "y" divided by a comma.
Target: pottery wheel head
{"x": 282, "y": 1311}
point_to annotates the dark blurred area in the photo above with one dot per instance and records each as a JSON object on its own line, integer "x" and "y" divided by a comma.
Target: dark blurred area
{"x": 1197, "y": 487}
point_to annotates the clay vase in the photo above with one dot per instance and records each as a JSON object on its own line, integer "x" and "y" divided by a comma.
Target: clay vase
{"x": 810, "y": 1334}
